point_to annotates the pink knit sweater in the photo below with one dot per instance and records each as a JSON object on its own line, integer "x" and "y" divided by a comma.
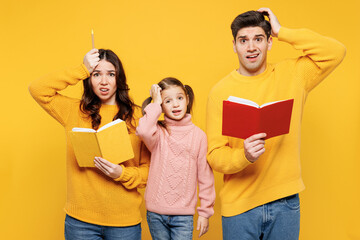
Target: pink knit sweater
{"x": 178, "y": 164}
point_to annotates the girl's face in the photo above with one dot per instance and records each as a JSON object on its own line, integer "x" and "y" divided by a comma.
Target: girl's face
{"x": 103, "y": 82}
{"x": 174, "y": 102}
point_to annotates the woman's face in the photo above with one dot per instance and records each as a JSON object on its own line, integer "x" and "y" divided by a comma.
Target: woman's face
{"x": 103, "y": 82}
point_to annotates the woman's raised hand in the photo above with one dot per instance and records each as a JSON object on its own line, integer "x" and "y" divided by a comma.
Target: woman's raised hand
{"x": 91, "y": 60}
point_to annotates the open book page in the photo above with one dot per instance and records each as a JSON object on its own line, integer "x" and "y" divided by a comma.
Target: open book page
{"x": 77, "y": 129}
{"x": 249, "y": 102}
{"x": 243, "y": 101}
{"x": 269, "y": 103}
{"x": 110, "y": 124}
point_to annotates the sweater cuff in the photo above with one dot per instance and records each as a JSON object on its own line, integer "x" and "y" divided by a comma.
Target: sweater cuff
{"x": 83, "y": 71}
{"x": 243, "y": 162}
{"x": 153, "y": 109}
{"x": 206, "y": 213}
{"x": 246, "y": 160}
{"x": 124, "y": 176}
{"x": 291, "y": 35}
{"x": 284, "y": 34}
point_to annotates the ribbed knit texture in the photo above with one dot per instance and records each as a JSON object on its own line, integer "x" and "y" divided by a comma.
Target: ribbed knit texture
{"x": 178, "y": 165}
{"x": 91, "y": 196}
{"x": 277, "y": 172}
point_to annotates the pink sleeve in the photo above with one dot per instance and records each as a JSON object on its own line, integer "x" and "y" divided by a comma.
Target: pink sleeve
{"x": 147, "y": 129}
{"x": 206, "y": 182}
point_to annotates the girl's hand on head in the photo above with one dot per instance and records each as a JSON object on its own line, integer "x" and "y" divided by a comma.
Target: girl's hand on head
{"x": 155, "y": 93}
{"x": 202, "y": 225}
{"x": 91, "y": 60}
{"x": 109, "y": 169}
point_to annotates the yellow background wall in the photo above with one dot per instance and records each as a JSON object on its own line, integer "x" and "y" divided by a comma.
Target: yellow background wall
{"x": 187, "y": 39}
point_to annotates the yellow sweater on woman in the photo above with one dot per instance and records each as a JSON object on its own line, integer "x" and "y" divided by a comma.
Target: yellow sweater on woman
{"x": 277, "y": 173}
{"x": 93, "y": 197}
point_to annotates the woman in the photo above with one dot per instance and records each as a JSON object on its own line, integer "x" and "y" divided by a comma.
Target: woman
{"x": 102, "y": 202}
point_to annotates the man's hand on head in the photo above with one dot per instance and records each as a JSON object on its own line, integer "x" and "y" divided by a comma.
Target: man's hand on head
{"x": 275, "y": 25}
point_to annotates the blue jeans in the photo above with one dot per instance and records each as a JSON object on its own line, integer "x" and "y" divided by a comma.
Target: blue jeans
{"x": 166, "y": 227}
{"x": 275, "y": 220}
{"x": 79, "y": 230}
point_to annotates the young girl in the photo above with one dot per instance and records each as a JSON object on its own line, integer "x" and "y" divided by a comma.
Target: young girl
{"x": 102, "y": 202}
{"x": 178, "y": 163}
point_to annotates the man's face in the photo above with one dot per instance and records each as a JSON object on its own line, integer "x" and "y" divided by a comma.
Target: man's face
{"x": 251, "y": 47}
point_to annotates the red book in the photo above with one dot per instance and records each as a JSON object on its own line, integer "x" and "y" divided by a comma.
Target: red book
{"x": 243, "y": 118}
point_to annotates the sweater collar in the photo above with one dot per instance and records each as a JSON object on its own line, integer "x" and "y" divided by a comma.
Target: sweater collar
{"x": 108, "y": 109}
{"x": 186, "y": 121}
{"x": 251, "y": 79}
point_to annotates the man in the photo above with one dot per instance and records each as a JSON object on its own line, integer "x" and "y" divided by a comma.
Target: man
{"x": 259, "y": 199}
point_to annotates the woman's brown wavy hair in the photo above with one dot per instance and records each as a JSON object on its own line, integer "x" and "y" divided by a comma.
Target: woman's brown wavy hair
{"x": 90, "y": 103}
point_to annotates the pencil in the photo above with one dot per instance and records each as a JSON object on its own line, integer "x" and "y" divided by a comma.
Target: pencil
{"x": 92, "y": 38}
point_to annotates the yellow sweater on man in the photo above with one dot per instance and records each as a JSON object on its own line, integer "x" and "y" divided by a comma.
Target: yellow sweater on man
{"x": 93, "y": 197}
{"x": 277, "y": 173}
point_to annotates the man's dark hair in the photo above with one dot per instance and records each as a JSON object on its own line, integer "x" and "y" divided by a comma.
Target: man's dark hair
{"x": 251, "y": 19}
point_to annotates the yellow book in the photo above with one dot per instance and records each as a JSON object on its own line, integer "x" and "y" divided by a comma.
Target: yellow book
{"x": 111, "y": 142}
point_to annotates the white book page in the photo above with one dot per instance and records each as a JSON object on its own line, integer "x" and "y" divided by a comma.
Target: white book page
{"x": 76, "y": 129}
{"x": 110, "y": 124}
{"x": 243, "y": 101}
{"x": 269, "y": 103}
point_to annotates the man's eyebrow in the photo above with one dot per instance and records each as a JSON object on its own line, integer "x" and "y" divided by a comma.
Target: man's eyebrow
{"x": 257, "y": 35}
